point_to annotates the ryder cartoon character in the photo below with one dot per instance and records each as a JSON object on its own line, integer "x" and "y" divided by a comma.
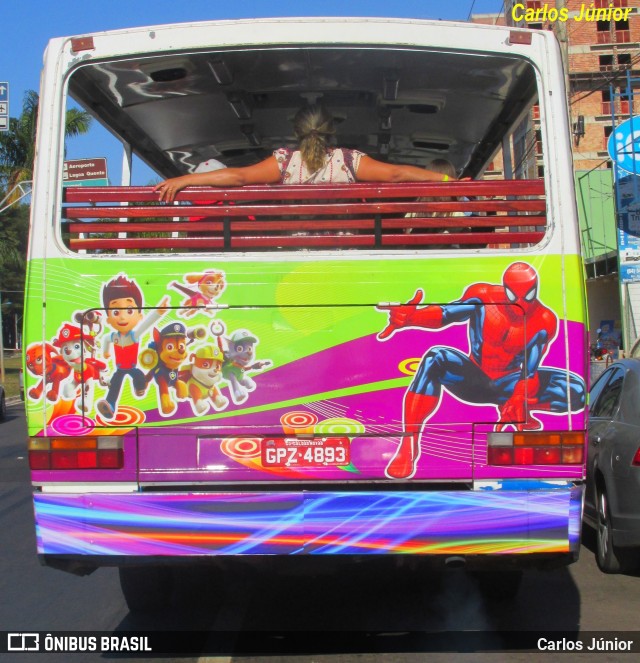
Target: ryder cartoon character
{"x": 510, "y": 331}
{"x": 123, "y": 300}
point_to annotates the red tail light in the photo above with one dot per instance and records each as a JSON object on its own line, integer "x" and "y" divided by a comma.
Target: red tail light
{"x": 537, "y": 448}
{"x": 110, "y": 459}
{"x": 76, "y": 453}
{"x": 524, "y": 456}
{"x": 545, "y": 456}
{"x": 636, "y": 458}
{"x": 499, "y": 456}
{"x": 39, "y": 460}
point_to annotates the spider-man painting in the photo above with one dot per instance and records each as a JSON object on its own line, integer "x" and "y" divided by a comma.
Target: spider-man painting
{"x": 510, "y": 331}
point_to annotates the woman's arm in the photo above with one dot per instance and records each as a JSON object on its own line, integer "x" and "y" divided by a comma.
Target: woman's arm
{"x": 265, "y": 172}
{"x": 370, "y": 170}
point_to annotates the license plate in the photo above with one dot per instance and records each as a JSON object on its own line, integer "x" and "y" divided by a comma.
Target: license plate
{"x": 299, "y": 452}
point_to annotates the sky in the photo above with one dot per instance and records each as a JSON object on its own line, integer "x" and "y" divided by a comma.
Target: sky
{"x": 27, "y": 25}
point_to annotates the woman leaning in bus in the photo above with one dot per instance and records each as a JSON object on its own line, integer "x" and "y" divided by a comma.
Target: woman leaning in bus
{"x": 313, "y": 163}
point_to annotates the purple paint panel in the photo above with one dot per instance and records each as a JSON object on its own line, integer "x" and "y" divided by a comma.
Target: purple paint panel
{"x": 521, "y": 521}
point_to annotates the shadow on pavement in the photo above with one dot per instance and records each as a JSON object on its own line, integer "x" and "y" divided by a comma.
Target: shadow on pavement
{"x": 372, "y": 607}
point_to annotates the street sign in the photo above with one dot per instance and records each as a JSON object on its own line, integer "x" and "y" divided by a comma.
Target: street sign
{"x": 624, "y": 150}
{"x": 85, "y": 172}
{"x": 624, "y": 145}
{"x": 4, "y": 106}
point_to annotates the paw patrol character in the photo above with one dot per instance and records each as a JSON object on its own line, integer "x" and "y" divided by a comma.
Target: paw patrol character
{"x": 238, "y": 359}
{"x": 91, "y": 324}
{"x": 210, "y": 285}
{"x": 202, "y": 378}
{"x": 44, "y": 362}
{"x": 123, "y": 300}
{"x": 164, "y": 357}
{"x": 83, "y": 369}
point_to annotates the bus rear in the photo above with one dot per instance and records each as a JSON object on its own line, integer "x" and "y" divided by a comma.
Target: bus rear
{"x": 329, "y": 370}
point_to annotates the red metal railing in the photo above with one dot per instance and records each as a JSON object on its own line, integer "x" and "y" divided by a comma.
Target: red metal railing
{"x": 357, "y": 216}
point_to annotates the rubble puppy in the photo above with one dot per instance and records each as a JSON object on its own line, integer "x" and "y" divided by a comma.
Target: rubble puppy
{"x": 202, "y": 378}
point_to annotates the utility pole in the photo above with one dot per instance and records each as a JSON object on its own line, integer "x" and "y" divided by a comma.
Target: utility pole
{"x": 561, "y": 33}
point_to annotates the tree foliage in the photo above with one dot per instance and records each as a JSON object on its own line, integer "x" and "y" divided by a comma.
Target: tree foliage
{"x": 18, "y": 145}
{"x": 17, "y": 156}
{"x": 14, "y": 236}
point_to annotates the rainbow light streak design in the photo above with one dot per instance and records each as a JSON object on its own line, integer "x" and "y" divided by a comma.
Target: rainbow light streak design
{"x": 454, "y": 522}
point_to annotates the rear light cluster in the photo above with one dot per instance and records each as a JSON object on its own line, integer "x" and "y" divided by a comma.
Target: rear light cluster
{"x": 536, "y": 448}
{"x": 636, "y": 458}
{"x": 76, "y": 453}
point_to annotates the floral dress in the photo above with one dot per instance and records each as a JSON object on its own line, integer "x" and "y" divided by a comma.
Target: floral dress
{"x": 340, "y": 167}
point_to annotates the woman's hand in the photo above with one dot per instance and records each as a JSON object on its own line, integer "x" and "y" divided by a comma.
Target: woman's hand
{"x": 169, "y": 188}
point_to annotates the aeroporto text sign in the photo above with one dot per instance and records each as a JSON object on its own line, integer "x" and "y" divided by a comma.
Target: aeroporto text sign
{"x": 85, "y": 171}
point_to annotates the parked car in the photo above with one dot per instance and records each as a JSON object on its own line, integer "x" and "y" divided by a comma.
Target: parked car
{"x": 612, "y": 502}
{"x": 3, "y": 404}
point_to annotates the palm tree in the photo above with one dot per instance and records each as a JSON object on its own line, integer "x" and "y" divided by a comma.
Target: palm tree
{"x": 17, "y": 146}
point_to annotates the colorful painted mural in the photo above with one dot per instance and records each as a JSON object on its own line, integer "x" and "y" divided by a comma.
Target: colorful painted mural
{"x": 290, "y": 523}
{"x": 316, "y": 392}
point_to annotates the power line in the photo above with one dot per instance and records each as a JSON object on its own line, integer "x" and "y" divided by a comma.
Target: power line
{"x": 607, "y": 82}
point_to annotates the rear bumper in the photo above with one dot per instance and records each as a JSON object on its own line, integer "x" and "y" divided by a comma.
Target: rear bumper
{"x": 542, "y": 521}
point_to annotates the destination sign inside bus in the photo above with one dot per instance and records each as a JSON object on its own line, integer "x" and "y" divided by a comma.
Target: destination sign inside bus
{"x": 85, "y": 172}
{"x": 302, "y": 452}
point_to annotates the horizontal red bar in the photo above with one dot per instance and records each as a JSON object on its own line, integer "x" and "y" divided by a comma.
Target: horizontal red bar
{"x": 316, "y": 191}
{"x": 338, "y": 241}
{"x": 294, "y": 209}
{"x": 317, "y": 225}
{"x": 463, "y": 238}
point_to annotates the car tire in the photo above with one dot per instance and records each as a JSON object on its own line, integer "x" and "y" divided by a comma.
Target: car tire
{"x": 607, "y": 557}
{"x": 147, "y": 588}
{"x": 3, "y": 408}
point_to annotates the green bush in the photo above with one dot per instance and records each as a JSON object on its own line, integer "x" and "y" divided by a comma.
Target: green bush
{"x": 12, "y": 366}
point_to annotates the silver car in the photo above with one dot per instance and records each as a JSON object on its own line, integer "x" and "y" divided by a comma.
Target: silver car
{"x": 612, "y": 503}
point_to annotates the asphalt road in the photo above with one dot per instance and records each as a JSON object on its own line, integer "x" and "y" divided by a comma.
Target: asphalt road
{"x": 351, "y": 614}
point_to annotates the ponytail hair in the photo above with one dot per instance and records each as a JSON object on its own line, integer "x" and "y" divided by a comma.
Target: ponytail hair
{"x": 313, "y": 127}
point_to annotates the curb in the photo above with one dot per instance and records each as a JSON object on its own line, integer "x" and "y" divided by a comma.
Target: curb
{"x": 13, "y": 400}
